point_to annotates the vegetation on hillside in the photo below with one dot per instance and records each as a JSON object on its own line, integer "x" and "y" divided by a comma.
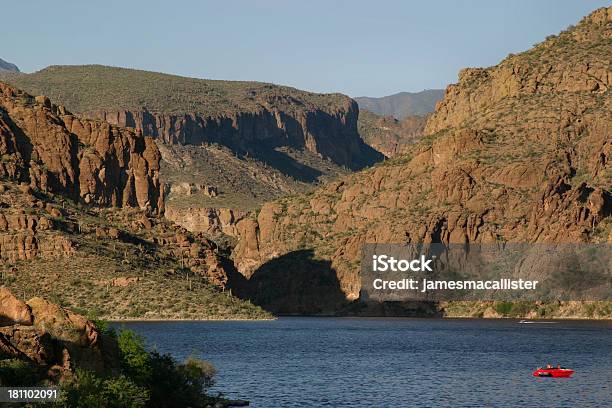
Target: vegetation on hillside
{"x": 242, "y": 183}
{"x": 120, "y": 268}
{"x": 89, "y": 87}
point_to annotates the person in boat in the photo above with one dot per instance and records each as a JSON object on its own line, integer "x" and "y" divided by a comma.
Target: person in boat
{"x": 558, "y": 366}
{"x": 548, "y": 366}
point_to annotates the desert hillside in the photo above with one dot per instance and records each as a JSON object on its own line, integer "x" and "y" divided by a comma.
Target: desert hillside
{"x": 80, "y": 223}
{"x": 249, "y": 142}
{"x": 388, "y": 135}
{"x": 517, "y": 152}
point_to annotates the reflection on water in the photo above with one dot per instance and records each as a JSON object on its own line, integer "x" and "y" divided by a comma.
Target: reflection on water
{"x": 395, "y": 362}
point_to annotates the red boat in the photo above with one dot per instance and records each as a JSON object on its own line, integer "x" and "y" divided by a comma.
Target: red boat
{"x": 559, "y": 372}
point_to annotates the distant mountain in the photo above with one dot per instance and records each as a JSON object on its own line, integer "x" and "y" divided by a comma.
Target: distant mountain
{"x": 7, "y": 66}
{"x": 403, "y": 104}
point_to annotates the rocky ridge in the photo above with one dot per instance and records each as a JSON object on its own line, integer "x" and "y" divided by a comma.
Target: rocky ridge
{"x": 86, "y": 256}
{"x": 248, "y": 117}
{"x": 330, "y": 133}
{"x": 518, "y": 152}
{"x": 7, "y": 66}
{"x": 254, "y": 142}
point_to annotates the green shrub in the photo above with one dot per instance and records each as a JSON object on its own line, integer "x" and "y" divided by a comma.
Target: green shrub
{"x": 170, "y": 384}
{"x": 179, "y": 385}
{"x": 87, "y": 390}
{"x": 135, "y": 360}
{"x": 83, "y": 390}
{"x": 514, "y": 309}
{"x": 197, "y": 374}
{"x": 503, "y": 308}
{"x": 122, "y": 392}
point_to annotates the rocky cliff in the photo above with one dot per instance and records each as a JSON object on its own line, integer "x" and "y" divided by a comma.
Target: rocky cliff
{"x": 84, "y": 255}
{"x": 330, "y": 133}
{"x": 253, "y": 142}
{"x": 45, "y": 146}
{"x": 518, "y": 152}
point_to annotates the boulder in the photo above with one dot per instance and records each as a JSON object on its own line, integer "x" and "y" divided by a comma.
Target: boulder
{"x": 13, "y": 310}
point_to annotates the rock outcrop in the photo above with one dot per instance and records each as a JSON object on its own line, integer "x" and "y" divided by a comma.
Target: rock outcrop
{"x": 46, "y": 147}
{"x": 518, "y": 152}
{"x": 52, "y": 338}
{"x": 193, "y": 188}
{"x": 13, "y": 310}
{"x": 573, "y": 62}
{"x": 86, "y": 195}
{"x": 248, "y": 117}
{"x": 206, "y": 220}
{"x": 252, "y": 141}
{"x": 51, "y": 246}
{"x": 25, "y": 236}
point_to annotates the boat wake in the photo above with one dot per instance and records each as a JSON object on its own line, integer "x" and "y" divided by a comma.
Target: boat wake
{"x": 534, "y": 322}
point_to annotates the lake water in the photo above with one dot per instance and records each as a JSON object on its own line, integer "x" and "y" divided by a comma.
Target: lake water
{"x": 361, "y": 362}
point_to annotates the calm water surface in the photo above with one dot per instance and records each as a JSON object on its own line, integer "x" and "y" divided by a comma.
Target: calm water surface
{"x": 380, "y": 362}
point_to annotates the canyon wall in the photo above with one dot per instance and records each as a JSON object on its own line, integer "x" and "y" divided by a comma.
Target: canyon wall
{"x": 330, "y": 133}
{"x": 252, "y": 141}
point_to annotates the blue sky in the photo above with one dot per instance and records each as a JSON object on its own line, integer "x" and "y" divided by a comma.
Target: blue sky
{"x": 370, "y": 48}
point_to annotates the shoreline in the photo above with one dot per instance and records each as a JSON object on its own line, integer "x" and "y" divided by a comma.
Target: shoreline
{"x": 187, "y": 320}
{"x": 565, "y": 319}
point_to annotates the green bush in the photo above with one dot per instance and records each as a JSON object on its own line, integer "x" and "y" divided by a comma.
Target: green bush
{"x": 514, "y": 309}
{"x": 503, "y": 308}
{"x": 170, "y": 384}
{"x": 135, "y": 360}
{"x": 87, "y": 390}
{"x": 179, "y": 385}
